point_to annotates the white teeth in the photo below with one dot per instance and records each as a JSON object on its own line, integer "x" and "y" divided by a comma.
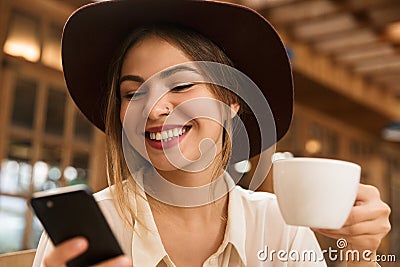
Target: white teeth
{"x": 168, "y": 135}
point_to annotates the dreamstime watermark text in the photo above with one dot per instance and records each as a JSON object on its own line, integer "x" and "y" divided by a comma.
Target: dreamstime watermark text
{"x": 340, "y": 253}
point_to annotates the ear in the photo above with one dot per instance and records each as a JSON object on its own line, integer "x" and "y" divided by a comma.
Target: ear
{"x": 234, "y": 109}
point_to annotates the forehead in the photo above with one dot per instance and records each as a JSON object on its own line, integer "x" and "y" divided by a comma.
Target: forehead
{"x": 150, "y": 56}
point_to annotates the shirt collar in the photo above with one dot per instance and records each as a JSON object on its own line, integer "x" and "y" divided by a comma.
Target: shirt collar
{"x": 235, "y": 232}
{"x": 147, "y": 247}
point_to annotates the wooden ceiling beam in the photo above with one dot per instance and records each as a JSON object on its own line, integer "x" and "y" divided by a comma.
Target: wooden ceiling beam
{"x": 263, "y": 4}
{"x": 342, "y": 45}
{"x": 314, "y": 29}
{"x": 346, "y": 40}
{"x": 323, "y": 69}
{"x": 378, "y": 64}
{"x": 75, "y": 3}
{"x": 387, "y": 78}
{"x": 362, "y": 52}
{"x": 300, "y": 11}
{"x": 360, "y": 5}
{"x": 393, "y": 86}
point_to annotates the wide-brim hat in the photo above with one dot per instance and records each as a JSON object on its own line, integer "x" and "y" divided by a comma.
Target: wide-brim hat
{"x": 94, "y": 33}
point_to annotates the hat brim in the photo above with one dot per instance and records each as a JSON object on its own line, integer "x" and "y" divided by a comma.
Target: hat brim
{"x": 94, "y": 32}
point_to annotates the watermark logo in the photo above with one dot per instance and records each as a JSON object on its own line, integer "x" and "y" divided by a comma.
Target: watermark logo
{"x": 341, "y": 253}
{"x": 341, "y": 243}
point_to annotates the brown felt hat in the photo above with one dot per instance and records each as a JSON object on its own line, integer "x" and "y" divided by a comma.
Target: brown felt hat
{"x": 94, "y": 33}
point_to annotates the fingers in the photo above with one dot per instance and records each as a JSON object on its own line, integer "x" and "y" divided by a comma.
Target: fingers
{"x": 72, "y": 248}
{"x": 364, "y": 235}
{"x": 367, "y": 223}
{"x": 66, "y": 251}
{"x": 121, "y": 261}
{"x": 368, "y": 211}
{"x": 361, "y": 243}
{"x": 367, "y": 193}
{"x": 364, "y": 228}
{"x": 368, "y": 206}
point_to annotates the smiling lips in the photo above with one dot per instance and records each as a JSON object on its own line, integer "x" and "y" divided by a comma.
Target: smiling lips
{"x": 165, "y": 136}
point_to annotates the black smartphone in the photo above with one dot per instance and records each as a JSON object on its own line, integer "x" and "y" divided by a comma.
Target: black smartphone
{"x": 72, "y": 211}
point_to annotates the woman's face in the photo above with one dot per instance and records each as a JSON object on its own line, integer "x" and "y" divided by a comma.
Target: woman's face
{"x": 171, "y": 121}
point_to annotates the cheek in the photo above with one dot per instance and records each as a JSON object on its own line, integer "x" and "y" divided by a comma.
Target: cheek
{"x": 210, "y": 129}
{"x": 122, "y": 112}
{"x": 204, "y": 109}
{"x": 133, "y": 126}
{"x": 121, "y": 117}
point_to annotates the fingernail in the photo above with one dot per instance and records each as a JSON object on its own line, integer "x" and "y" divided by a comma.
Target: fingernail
{"x": 78, "y": 244}
{"x": 123, "y": 262}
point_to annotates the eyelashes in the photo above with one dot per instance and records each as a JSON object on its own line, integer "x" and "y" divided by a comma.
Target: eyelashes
{"x": 182, "y": 87}
{"x": 141, "y": 93}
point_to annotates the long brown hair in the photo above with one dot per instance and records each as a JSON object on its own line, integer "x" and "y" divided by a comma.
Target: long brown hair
{"x": 198, "y": 48}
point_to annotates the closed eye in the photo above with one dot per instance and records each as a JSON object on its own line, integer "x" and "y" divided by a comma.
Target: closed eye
{"x": 134, "y": 96}
{"x": 181, "y": 88}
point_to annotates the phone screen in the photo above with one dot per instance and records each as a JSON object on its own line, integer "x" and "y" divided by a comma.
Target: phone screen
{"x": 72, "y": 211}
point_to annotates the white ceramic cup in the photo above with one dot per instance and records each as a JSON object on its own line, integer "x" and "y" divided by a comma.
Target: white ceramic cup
{"x": 315, "y": 192}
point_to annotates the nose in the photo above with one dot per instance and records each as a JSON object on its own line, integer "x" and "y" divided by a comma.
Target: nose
{"x": 158, "y": 108}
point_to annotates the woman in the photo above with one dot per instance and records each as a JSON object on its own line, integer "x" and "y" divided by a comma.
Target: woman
{"x": 173, "y": 103}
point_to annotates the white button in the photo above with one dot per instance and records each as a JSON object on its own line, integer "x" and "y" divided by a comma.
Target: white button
{"x": 213, "y": 260}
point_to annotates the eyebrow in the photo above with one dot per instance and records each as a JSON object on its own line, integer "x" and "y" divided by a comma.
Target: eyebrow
{"x": 133, "y": 78}
{"x": 164, "y": 74}
{"x": 176, "y": 69}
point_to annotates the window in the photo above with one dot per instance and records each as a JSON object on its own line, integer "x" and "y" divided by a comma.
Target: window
{"x": 313, "y": 145}
{"x": 83, "y": 128}
{"x": 16, "y": 171}
{"x": 12, "y": 223}
{"x": 332, "y": 144}
{"x": 24, "y": 103}
{"x": 43, "y": 144}
{"x": 56, "y": 100}
{"x": 79, "y": 169}
{"x": 51, "y": 174}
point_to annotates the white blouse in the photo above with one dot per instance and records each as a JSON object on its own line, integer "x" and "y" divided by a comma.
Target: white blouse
{"x": 255, "y": 235}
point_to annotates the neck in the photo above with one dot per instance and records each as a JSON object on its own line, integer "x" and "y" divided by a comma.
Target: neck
{"x": 189, "y": 196}
{"x": 184, "y": 189}
{"x": 216, "y": 210}
{"x": 189, "y": 179}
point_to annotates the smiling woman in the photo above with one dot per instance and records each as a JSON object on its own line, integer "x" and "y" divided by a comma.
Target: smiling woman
{"x": 155, "y": 49}
{"x": 170, "y": 118}
{"x": 177, "y": 114}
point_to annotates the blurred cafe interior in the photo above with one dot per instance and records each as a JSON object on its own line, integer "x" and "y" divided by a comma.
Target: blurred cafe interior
{"x": 346, "y": 62}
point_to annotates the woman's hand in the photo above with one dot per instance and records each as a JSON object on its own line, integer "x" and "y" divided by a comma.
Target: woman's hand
{"x": 367, "y": 223}
{"x": 74, "y": 247}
